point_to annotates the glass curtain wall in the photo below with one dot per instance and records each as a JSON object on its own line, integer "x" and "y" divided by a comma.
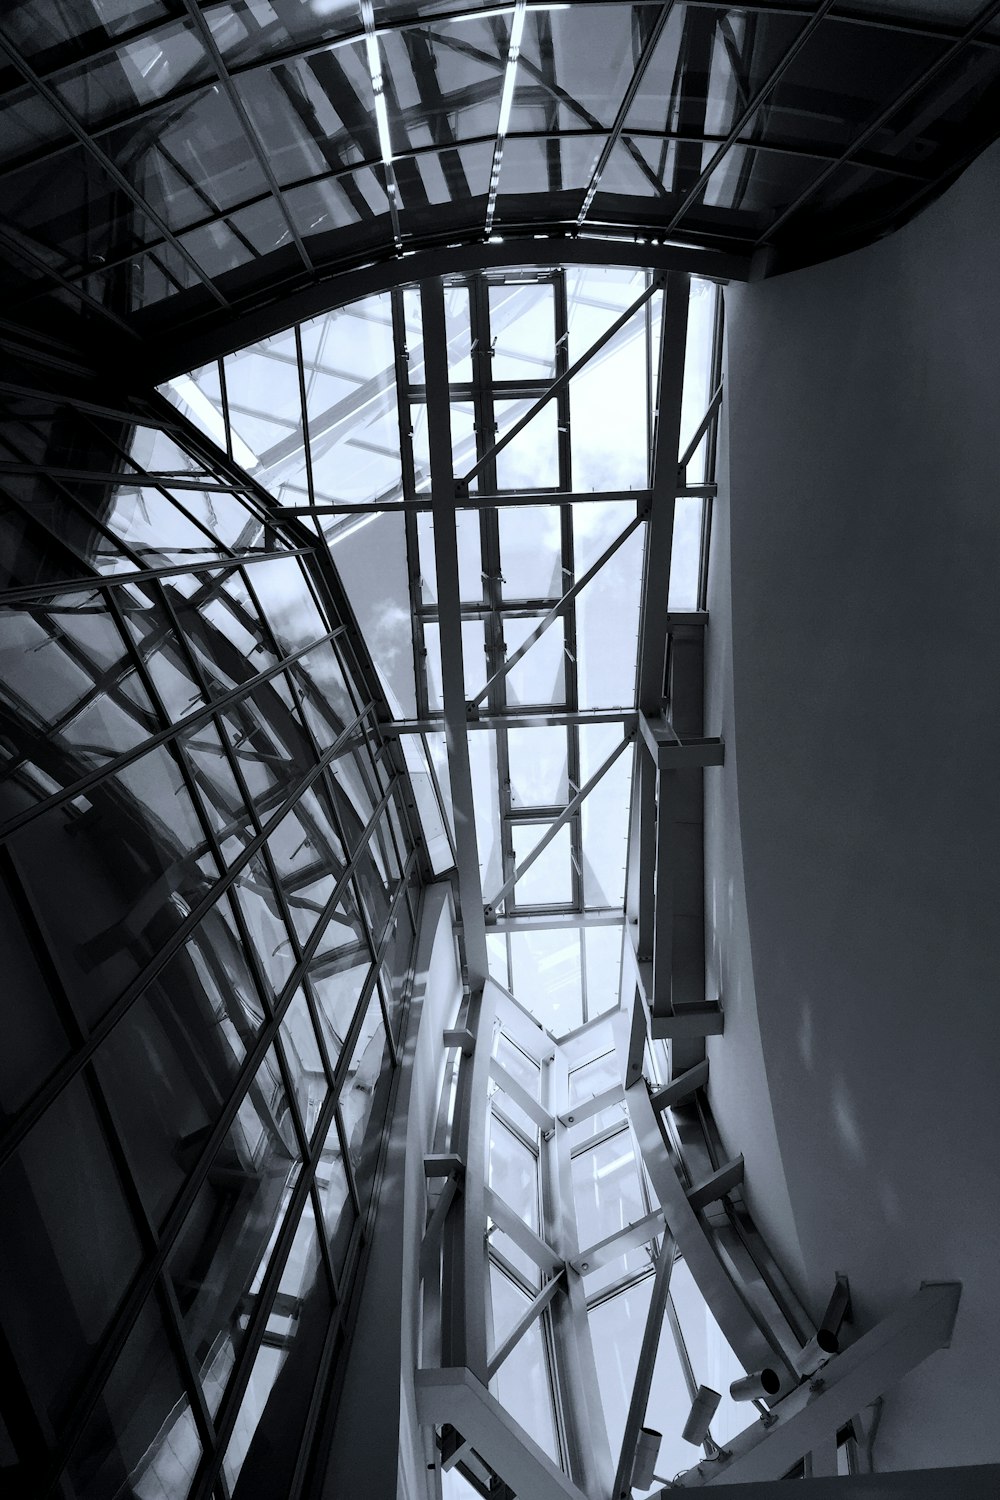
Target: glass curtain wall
{"x": 207, "y": 888}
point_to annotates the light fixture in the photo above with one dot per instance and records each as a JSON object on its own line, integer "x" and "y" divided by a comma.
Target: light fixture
{"x": 703, "y": 1409}
{"x": 506, "y": 104}
{"x": 754, "y": 1387}
{"x": 647, "y": 1451}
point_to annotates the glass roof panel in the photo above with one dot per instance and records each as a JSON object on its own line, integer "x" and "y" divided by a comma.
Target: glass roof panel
{"x": 530, "y": 552}
{"x": 515, "y": 562}
{"x": 546, "y": 972}
{"x": 549, "y": 880}
{"x": 538, "y": 766}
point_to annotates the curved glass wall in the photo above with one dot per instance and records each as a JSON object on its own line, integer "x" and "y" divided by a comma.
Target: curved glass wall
{"x": 208, "y": 899}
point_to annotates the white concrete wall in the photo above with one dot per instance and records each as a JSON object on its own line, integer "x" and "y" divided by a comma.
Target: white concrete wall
{"x": 863, "y": 518}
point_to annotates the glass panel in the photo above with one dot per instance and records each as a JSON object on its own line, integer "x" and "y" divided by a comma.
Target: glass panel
{"x": 337, "y": 995}
{"x": 65, "y": 1272}
{"x": 304, "y": 1062}
{"x": 531, "y": 460}
{"x": 685, "y": 555}
{"x": 523, "y": 1069}
{"x": 141, "y": 1438}
{"x": 474, "y": 664}
{"x": 538, "y": 678}
{"x": 712, "y": 1360}
{"x": 284, "y": 1369}
{"x": 546, "y": 977}
{"x": 334, "y": 1197}
{"x": 537, "y": 762}
{"x": 522, "y": 323}
{"x": 369, "y": 1064}
{"x": 483, "y": 762}
{"x": 513, "y": 1172}
{"x": 604, "y": 816}
{"x": 287, "y": 603}
{"x": 521, "y": 1385}
{"x": 606, "y": 658}
{"x": 531, "y": 552}
{"x": 606, "y": 1189}
{"x": 219, "y": 1260}
{"x": 132, "y": 864}
{"x": 549, "y": 881}
{"x": 592, "y": 1078}
{"x": 616, "y": 1327}
{"x": 603, "y": 951}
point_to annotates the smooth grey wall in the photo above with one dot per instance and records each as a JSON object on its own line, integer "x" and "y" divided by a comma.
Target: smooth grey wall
{"x": 864, "y": 528}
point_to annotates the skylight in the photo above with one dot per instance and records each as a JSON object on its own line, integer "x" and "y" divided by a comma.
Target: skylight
{"x": 553, "y": 406}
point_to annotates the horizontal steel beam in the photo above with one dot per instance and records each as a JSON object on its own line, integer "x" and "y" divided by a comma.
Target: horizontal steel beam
{"x": 520, "y": 1096}
{"x": 591, "y": 1107}
{"x": 721, "y": 1182}
{"x": 456, "y": 1397}
{"x": 524, "y": 1237}
{"x": 682, "y": 1087}
{"x": 630, "y": 1237}
{"x": 556, "y": 719}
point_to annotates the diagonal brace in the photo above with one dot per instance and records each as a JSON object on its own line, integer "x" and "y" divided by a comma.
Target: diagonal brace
{"x": 554, "y": 827}
{"x": 462, "y": 485}
{"x": 556, "y": 610}
{"x": 534, "y": 1309}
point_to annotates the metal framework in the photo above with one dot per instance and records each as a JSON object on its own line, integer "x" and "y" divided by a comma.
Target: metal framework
{"x": 349, "y": 136}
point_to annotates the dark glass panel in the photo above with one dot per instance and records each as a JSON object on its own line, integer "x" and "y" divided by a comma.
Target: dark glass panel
{"x": 334, "y": 1197}
{"x": 169, "y": 1065}
{"x": 221, "y": 1255}
{"x": 141, "y": 73}
{"x": 200, "y": 141}
{"x": 132, "y": 863}
{"x": 35, "y": 1038}
{"x": 264, "y": 1446}
{"x": 363, "y": 1097}
{"x": 66, "y": 1270}
{"x": 141, "y": 1438}
{"x": 337, "y": 992}
{"x": 269, "y": 935}
{"x": 304, "y": 1061}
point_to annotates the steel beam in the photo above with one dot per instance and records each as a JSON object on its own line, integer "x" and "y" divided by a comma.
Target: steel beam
{"x": 721, "y": 1182}
{"x": 450, "y": 618}
{"x": 524, "y": 1237}
{"x": 536, "y": 1306}
{"x": 559, "y": 822}
{"x": 520, "y": 1096}
{"x": 732, "y": 1314}
{"x": 631, "y": 1237}
{"x": 590, "y": 1107}
{"x": 455, "y": 1396}
{"x": 817, "y": 1408}
{"x": 512, "y": 719}
{"x": 682, "y": 1088}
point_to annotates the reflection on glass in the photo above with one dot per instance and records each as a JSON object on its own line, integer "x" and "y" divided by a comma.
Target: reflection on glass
{"x": 141, "y": 1439}
{"x": 219, "y": 1260}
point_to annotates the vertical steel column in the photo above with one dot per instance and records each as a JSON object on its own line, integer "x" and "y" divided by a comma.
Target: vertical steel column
{"x": 463, "y": 1334}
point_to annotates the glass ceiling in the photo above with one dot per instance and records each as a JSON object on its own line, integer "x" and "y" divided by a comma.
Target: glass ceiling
{"x": 167, "y": 164}
{"x": 330, "y": 417}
